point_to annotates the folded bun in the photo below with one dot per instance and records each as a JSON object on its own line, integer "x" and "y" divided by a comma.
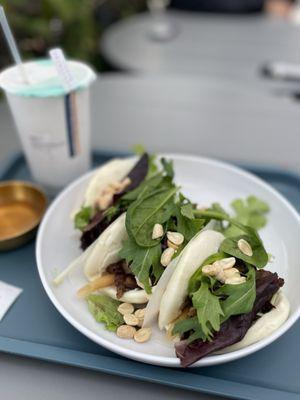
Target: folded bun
{"x": 202, "y": 246}
{"x": 113, "y": 171}
{"x": 107, "y": 248}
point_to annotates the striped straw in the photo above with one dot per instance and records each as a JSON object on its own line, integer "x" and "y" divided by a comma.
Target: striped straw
{"x": 69, "y": 85}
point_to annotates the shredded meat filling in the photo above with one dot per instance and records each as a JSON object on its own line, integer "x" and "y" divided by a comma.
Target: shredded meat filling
{"x": 124, "y": 281}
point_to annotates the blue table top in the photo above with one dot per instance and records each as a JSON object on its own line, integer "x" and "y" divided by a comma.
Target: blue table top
{"x": 34, "y": 328}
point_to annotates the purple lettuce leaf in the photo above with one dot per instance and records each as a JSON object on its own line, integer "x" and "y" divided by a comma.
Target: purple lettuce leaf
{"x": 92, "y": 231}
{"x": 138, "y": 173}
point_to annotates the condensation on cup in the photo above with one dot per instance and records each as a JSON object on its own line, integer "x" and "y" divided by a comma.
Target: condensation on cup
{"x": 53, "y": 125}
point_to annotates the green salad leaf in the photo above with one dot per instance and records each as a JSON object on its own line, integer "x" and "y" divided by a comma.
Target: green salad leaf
{"x": 184, "y": 224}
{"x": 197, "y": 278}
{"x": 185, "y": 325}
{"x": 82, "y": 218}
{"x": 209, "y": 310}
{"x": 215, "y": 306}
{"x": 230, "y": 245}
{"x": 188, "y": 325}
{"x": 251, "y": 212}
{"x": 142, "y": 261}
{"x": 105, "y": 310}
{"x": 239, "y": 298}
{"x": 112, "y": 212}
{"x": 259, "y": 258}
{"x": 168, "y": 168}
{"x": 146, "y": 187}
{"x": 138, "y": 149}
{"x": 143, "y": 214}
{"x": 186, "y": 210}
{"x": 218, "y": 208}
{"x": 151, "y": 203}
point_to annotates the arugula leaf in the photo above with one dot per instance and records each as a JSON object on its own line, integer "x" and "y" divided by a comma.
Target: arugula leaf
{"x": 185, "y": 325}
{"x": 105, "y": 309}
{"x": 112, "y": 211}
{"x": 229, "y": 245}
{"x": 250, "y": 212}
{"x": 218, "y": 208}
{"x": 152, "y": 166}
{"x": 214, "y": 308}
{"x": 138, "y": 149}
{"x": 183, "y": 220}
{"x": 142, "y": 261}
{"x": 82, "y": 218}
{"x": 208, "y": 308}
{"x": 214, "y": 257}
{"x": 146, "y": 187}
{"x": 141, "y": 215}
{"x": 240, "y": 298}
{"x": 168, "y": 168}
{"x": 196, "y": 279}
{"x": 188, "y": 227}
{"x": 259, "y": 258}
{"x": 191, "y": 324}
{"x": 187, "y": 211}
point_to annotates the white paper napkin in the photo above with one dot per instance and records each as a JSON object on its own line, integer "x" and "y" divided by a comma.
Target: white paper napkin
{"x": 8, "y": 295}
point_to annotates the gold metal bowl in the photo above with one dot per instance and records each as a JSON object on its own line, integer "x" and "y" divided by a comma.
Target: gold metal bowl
{"x": 22, "y": 206}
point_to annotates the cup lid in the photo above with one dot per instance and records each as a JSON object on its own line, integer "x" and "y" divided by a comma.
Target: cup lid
{"x": 44, "y": 80}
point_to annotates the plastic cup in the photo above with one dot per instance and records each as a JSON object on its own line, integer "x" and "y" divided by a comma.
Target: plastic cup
{"x": 53, "y": 124}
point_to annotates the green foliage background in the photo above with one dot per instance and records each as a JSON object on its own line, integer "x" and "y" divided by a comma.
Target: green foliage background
{"x": 75, "y": 25}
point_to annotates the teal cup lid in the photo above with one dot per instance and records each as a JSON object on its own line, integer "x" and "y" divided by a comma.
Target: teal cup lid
{"x": 44, "y": 80}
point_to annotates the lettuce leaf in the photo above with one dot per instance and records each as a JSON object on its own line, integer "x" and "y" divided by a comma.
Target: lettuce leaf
{"x": 233, "y": 329}
{"x": 156, "y": 208}
{"x": 251, "y": 212}
{"x": 82, "y": 218}
{"x": 215, "y": 305}
{"x": 239, "y": 298}
{"x": 142, "y": 261}
{"x": 209, "y": 310}
{"x": 259, "y": 258}
{"x": 105, "y": 310}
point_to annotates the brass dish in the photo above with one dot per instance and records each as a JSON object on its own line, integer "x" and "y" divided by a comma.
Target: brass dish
{"x": 22, "y": 206}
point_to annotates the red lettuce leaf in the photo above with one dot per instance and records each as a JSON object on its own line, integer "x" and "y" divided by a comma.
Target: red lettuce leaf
{"x": 92, "y": 231}
{"x": 138, "y": 173}
{"x": 234, "y": 329}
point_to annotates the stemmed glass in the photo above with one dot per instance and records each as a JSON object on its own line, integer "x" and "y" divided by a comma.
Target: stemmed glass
{"x": 162, "y": 29}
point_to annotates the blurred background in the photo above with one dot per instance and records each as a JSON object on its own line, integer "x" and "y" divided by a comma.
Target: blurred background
{"x": 213, "y": 77}
{"x": 77, "y": 25}
{"x": 218, "y": 78}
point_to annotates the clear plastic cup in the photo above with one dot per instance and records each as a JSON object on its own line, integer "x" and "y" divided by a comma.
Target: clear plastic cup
{"x": 53, "y": 124}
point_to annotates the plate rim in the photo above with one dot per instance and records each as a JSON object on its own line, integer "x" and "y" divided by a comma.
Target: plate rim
{"x": 149, "y": 358}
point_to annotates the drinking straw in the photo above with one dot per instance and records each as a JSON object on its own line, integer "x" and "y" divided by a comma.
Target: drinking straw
{"x": 62, "y": 68}
{"x": 12, "y": 44}
{"x": 71, "y": 107}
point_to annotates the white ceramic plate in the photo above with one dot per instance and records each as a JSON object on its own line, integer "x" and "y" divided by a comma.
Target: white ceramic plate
{"x": 204, "y": 181}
